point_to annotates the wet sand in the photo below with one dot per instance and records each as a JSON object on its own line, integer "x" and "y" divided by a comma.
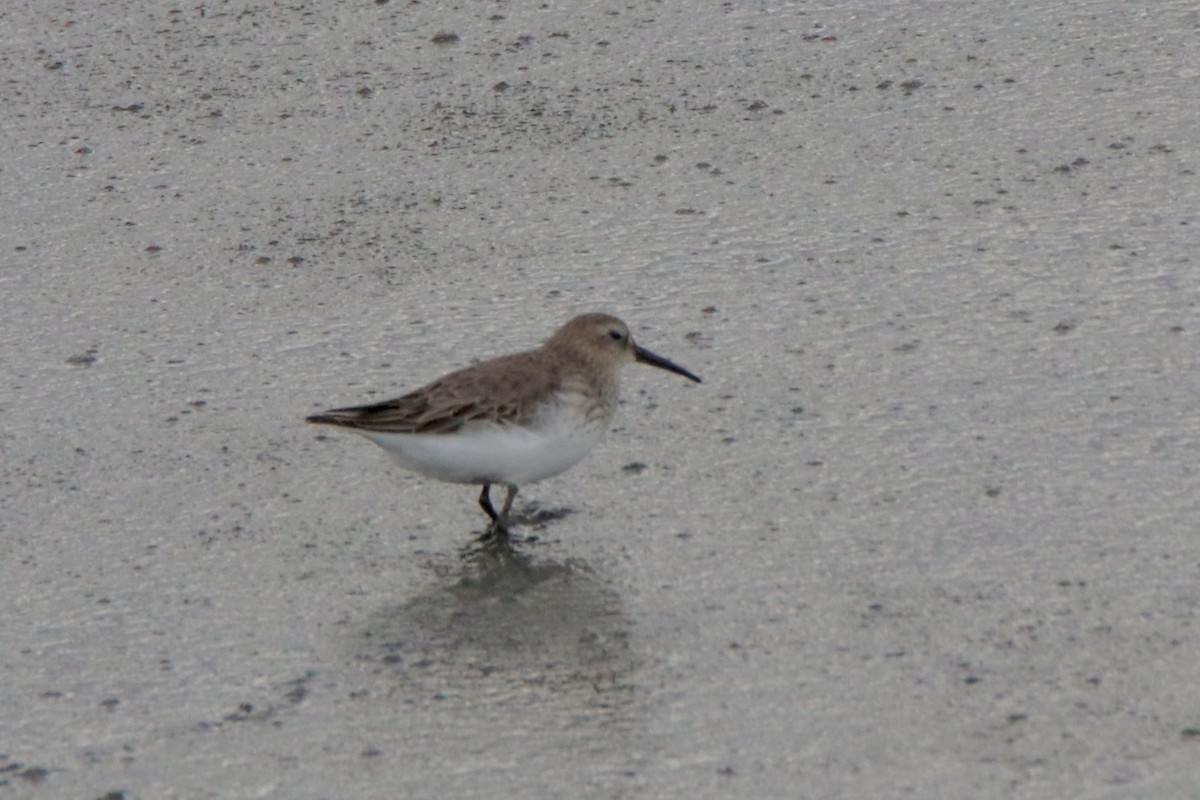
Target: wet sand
{"x": 927, "y": 529}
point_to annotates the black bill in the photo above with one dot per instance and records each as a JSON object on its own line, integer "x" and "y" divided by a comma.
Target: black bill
{"x": 644, "y": 356}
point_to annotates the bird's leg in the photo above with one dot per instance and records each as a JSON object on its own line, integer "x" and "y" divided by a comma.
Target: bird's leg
{"x": 498, "y": 526}
{"x": 508, "y": 503}
{"x": 485, "y": 502}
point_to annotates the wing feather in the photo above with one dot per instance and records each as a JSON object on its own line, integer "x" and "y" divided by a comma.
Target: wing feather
{"x": 505, "y": 390}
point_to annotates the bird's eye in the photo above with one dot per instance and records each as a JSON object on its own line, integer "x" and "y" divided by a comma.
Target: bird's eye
{"x": 615, "y": 335}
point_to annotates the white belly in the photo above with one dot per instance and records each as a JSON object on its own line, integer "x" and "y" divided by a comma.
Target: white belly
{"x": 487, "y": 453}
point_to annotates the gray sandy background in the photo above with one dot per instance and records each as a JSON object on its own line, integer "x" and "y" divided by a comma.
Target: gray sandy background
{"x": 928, "y": 528}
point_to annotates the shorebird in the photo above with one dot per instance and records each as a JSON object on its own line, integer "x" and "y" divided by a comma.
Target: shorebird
{"x": 512, "y": 420}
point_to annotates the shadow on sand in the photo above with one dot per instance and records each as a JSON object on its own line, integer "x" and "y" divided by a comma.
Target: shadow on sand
{"x": 500, "y": 621}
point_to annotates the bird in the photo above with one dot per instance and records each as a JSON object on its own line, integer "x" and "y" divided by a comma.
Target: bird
{"x": 512, "y": 420}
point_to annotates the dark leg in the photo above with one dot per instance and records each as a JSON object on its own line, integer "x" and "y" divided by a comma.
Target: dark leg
{"x": 485, "y": 502}
{"x": 499, "y": 526}
{"x": 508, "y": 501}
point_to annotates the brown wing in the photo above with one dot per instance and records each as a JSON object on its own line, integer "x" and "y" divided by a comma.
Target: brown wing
{"x": 506, "y": 389}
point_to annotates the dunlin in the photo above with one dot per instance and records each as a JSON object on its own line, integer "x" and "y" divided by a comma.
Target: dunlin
{"x": 512, "y": 420}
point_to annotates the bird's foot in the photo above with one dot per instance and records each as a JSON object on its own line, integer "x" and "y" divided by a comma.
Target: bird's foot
{"x": 496, "y": 532}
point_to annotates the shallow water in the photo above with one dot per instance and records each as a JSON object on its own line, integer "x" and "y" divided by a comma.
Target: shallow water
{"x": 927, "y": 528}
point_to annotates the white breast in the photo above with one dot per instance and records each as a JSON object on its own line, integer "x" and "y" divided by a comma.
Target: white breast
{"x": 480, "y": 453}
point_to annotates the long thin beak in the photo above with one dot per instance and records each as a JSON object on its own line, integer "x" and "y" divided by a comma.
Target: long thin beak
{"x": 644, "y": 356}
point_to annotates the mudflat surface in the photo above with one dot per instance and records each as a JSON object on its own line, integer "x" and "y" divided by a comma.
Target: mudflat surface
{"x": 927, "y": 529}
